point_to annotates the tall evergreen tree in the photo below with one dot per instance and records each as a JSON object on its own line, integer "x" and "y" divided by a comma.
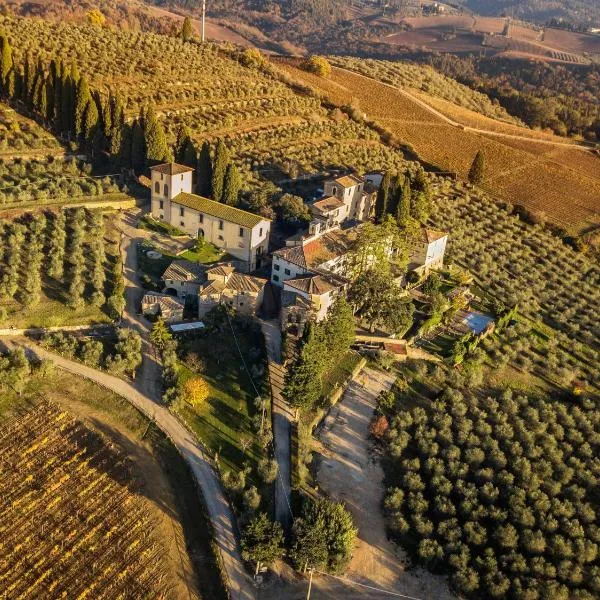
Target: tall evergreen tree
{"x": 157, "y": 149}
{"x": 403, "y": 216}
{"x": 204, "y": 172}
{"x": 219, "y": 169}
{"x": 90, "y": 124}
{"x": 6, "y": 62}
{"x": 383, "y": 194}
{"x": 58, "y": 97}
{"x": 83, "y": 98}
{"x": 66, "y": 105}
{"x": 395, "y": 194}
{"x": 303, "y": 386}
{"x": 231, "y": 185}
{"x": 338, "y": 330}
{"x": 138, "y": 147}
{"x": 477, "y": 171}
{"x": 124, "y": 156}
{"x": 27, "y": 79}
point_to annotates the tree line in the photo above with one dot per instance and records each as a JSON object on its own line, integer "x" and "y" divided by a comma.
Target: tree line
{"x": 61, "y": 97}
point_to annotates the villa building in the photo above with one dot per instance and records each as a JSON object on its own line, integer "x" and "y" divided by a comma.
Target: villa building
{"x": 427, "y": 252}
{"x": 242, "y": 234}
{"x": 183, "y": 278}
{"x": 345, "y": 199}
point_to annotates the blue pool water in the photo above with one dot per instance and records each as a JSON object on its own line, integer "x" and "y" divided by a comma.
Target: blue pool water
{"x": 477, "y": 322}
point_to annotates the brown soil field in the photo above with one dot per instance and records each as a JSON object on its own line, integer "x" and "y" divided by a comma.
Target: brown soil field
{"x": 427, "y": 32}
{"x": 518, "y": 170}
{"x": 569, "y": 41}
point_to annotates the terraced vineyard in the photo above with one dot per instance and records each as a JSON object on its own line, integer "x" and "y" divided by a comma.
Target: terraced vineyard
{"x": 72, "y": 526}
{"x": 428, "y": 80}
{"x": 568, "y": 195}
{"x": 209, "y": 90}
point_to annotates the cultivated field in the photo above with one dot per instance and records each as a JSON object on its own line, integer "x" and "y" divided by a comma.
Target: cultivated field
{"x": 73, "y": 525}
{"x": 569, "y": 196}
{"x": 208, "y": 90}
{"x": 468, "y": 34}
{"x": 58, "y": 269}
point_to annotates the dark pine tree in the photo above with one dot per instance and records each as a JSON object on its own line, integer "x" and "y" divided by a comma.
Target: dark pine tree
{"x": 219, "y": 169}
{"x": 477, "y": 171}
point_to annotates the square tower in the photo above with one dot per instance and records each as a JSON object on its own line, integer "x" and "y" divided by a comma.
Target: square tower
{"x": 167, "y": 181}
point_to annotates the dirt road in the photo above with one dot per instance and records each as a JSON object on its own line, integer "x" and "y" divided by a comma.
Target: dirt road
{"x": 239, "y": 583}
{"x": 449, "y": 121}
{"x": 348, "y": 472}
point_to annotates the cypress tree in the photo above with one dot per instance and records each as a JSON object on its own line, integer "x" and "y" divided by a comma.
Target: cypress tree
{"x": 204, "y": 172}
{"x": 13, "y": 84}
{"x": 395, "y": 193}
{"x": 83, "y": 97}
{"x": 124, "y": 157}
{"x": 403, "y": 216}
{"x": 138, "y": 146}
{"x": 6, "y": 62}
{"x": 66, "y": 103}
{"x": 27, "y": 79}
{"x": 477, "y": 171}
{"x": 41, "y": 101}
{"x": 219, "y": 169}
{"x": 231, "y": 185}
{"x": 156, "y": 141}
{"x": 383, "y": 194}
{"x": 90, "y": 122}
{"x": 58, "y": 97}
{"x": 302, "y": 388}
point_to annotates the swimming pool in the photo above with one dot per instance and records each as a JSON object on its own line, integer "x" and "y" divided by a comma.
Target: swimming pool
{"x": 477, "y": 322}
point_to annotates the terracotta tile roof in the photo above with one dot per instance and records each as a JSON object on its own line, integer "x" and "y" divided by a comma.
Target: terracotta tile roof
{"x": 348, "y": 180}
{"x": 431, "y": 235}
{"x": 327, "y": 204}
{"x": 315, "y": 285}
{"x": 185, "y": 270}
{"x": 218, "y": 210}
{"x": 320, "y": 250}
{"x": 221, "y": 270}
{"x": 171, "y": 169}
{"x": 241, "y": 282}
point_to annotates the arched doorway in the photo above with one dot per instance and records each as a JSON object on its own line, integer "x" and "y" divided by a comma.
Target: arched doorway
{"x": 200, "y": 233}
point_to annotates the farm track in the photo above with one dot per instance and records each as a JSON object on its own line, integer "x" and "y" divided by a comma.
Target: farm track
{"x": 458, "y": 125}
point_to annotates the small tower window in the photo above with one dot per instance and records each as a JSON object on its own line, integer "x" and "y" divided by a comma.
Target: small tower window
{"x": 157, "y": 188}
{"x": 166, "y": 190}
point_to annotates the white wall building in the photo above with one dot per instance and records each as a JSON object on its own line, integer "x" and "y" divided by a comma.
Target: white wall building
{"x": 242, "y": 234}
{"x": 428, "y": 251}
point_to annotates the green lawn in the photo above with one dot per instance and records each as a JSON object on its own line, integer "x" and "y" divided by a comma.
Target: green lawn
{"x": 225, "y": 419}
{"x": 51, "y": 313}
{"x": 205, "y": 254}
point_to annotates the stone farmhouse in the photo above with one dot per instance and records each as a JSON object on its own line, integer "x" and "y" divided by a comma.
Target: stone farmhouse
{"x": 168, "y": 307}
{"x": 312, "y": 272}
{"x": 345, "y": 199}
{"x": 227, "y": 286}
{"x": 242, "y": 234}
{"x": 183, "y": 278}
{"x": 427, "y": 252}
